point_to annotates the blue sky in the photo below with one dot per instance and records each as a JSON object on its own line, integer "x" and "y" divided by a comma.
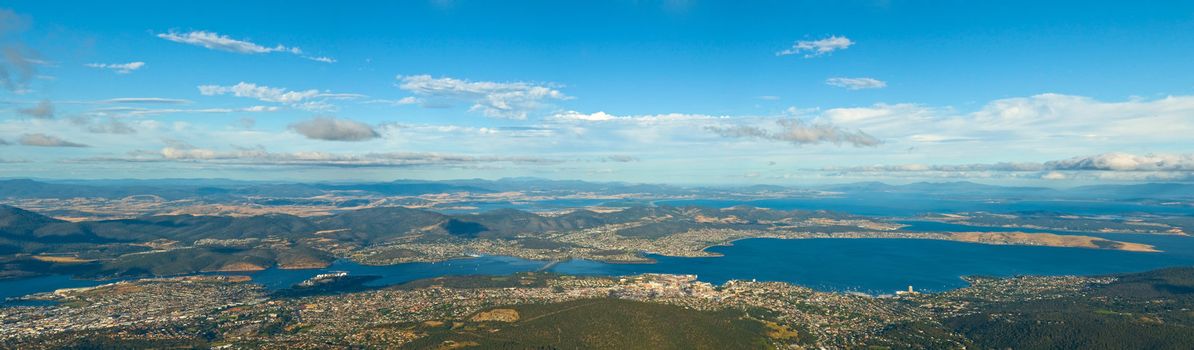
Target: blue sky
{"x": 784, "y": 92}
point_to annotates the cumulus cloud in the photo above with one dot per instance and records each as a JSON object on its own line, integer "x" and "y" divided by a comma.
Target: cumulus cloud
{"x": 856, "y": 83}
{"x": 492, "y": 99}
{"x": 332, "y": 129}
{"x": 43, "y": 110}
{"x": 813, "y": 48}
{"x": 800, "y": 133}
{"x": 43, "y": 140}
{"x": 119, "y": 68}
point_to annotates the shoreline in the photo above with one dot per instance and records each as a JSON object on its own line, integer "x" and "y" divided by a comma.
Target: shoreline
{"x": 1131, "y": 247}
{"x": 967, "y": 278}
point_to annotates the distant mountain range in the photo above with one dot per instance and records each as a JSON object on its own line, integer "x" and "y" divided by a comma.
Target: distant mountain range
{"x": 224, "y": 189}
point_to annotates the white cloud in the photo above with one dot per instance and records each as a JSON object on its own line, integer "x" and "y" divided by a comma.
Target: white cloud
{"x": 310, "y": 99}
{"x": 587, "y": 117}
{"x": 1078, "y": 117}
{"x": 263, "y": 93}
{"x": 405, "y": 101}
{"x": 321, "y": 59}
{"x": 1034, "y": 122}
{"x": 856, "y": 83}
{"x": 1053, "y": 175}
{"x": 574, "y": 116}
{"x": 259, "y": 109}
{"x": 216, "y": 41}
{"x": 813, "y": 48}
{"x": 1022, "y": 131}
{"x": 1118, "y": 161}
{"x": 492, "y": 99}
{"x": 119, "y": 68}
{"x": 220, "y": 42}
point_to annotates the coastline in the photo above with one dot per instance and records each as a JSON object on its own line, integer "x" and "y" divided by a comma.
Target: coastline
{"x": 969, "y": 237}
